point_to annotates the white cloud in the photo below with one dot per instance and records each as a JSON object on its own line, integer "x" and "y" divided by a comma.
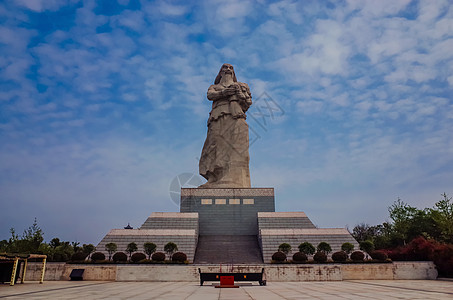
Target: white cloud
{"x": 309, "y": 107}
{"x": 429, "y": 10}
{"x": 41, "y": 5}
{"x": 287, "y": 9}
{"x": 375, "y": 9}
{"x": 171, "y": 9}
{"x": 450, "y": 80}
{"x": 131, "y": 19}
{"x": 323, "y": 52}
{"x": 226, "y": 18}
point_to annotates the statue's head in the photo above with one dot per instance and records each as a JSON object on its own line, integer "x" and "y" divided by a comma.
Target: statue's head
{"x": 225, "y": 69}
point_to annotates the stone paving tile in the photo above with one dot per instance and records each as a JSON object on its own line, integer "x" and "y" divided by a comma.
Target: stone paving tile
{"x": 365, "y": 289}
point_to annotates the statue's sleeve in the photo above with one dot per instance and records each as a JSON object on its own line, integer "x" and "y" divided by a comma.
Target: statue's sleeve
{"x": 214, "y": 93}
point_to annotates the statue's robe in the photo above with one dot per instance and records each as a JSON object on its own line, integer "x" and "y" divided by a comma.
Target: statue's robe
{"x": 225, "y": 156}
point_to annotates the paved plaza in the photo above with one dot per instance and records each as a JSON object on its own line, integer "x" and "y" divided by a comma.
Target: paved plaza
{"x": 364, "y": 289}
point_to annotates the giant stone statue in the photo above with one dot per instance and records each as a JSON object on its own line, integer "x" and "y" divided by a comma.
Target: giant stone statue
{"x": 225, "y": 157}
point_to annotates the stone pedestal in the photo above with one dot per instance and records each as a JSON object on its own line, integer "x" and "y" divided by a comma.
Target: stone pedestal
{"x": 228, "y": 225}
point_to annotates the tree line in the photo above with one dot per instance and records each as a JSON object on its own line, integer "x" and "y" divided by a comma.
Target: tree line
{"x": 408, "y": 223}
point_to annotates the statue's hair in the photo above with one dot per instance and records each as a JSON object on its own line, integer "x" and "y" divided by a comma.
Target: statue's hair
{"x": 219, "y": 76}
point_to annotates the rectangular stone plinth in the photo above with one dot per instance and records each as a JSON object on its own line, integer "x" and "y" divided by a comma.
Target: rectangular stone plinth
{"x": 227, "y": 211}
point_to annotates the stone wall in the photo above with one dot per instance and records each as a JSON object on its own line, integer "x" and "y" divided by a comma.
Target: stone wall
{"x": 272, "y": 273}
{"x": 54, "y": 271}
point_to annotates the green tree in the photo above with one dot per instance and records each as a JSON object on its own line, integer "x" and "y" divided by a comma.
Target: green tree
{"x": 402, "y": 214}
{"x": 285, "y": 248}
{"x": 29, "y": 242}
{"x": 170, "y": 248}
{"x": 442, "y": 214}
{"x": 324, "y": 247}
{"x": 362, "y": 232}
{"x": 63, "y": 252}
{"x": 33, "y": 238}
{"x": 150, "y": 248}
{"x": 307, "y": 248}
{"x": 44, "y": 248}
{"x": 88, "y": 249}
{"x": 367, "y": 246}
{"x": 75, "y": 246}
{"x": 111, "y": 248}
{"x": 347, "y": 247}
{"x": 3, "y": 246}
{"x": 423, "y": 224}
{"x": 54, "y": 243}
{"x": 131, "y": 248}
{"x": 384, "y": 237}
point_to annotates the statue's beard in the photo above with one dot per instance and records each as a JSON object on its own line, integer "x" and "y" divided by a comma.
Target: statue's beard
{"x": 227, "y": 79}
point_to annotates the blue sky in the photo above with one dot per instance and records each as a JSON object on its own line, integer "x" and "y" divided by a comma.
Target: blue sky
{"x": 103, "y": 104}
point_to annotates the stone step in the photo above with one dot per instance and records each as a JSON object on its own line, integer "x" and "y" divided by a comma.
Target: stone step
{"x": 228, "y": 249}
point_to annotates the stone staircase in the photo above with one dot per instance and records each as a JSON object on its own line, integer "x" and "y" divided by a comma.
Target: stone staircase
{"x": 228, "y": 249}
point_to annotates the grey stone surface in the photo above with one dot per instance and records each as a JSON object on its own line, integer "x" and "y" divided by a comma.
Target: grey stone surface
{"x": 284, "y": 220}
{"x": 358, "y": 289}
{"x": 228, "y": 249}
{"x": 224, "y": 160}
{"x": 171, "y": 220}
{"x": 227, "y": 218}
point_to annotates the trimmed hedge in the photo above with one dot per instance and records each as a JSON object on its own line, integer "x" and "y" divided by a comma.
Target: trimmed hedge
{"x": 324, "y": 247}
{"x": 179, "y": 257}
{"x": 307, "y": 248}
{"x": 423, "y": 249}
{"x": 378, "y": 255}
{"x": 119, "y": 257}
{"x": 279, "y": 256}
{"x": 320, "y": 257}
{"x": 347, "y": 247}
{"x": 339, "y": 256}
{"x": 300, "y": 257}
{"x": 78, "y": 256}
{"x": 97, "y": 256}
{"x": 158, "y": 256}
{"x": 136, "y": 257}
{"x": 357, "y": 256}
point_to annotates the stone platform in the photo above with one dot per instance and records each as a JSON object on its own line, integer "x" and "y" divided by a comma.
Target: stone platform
{"x": 234, "y": 226}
